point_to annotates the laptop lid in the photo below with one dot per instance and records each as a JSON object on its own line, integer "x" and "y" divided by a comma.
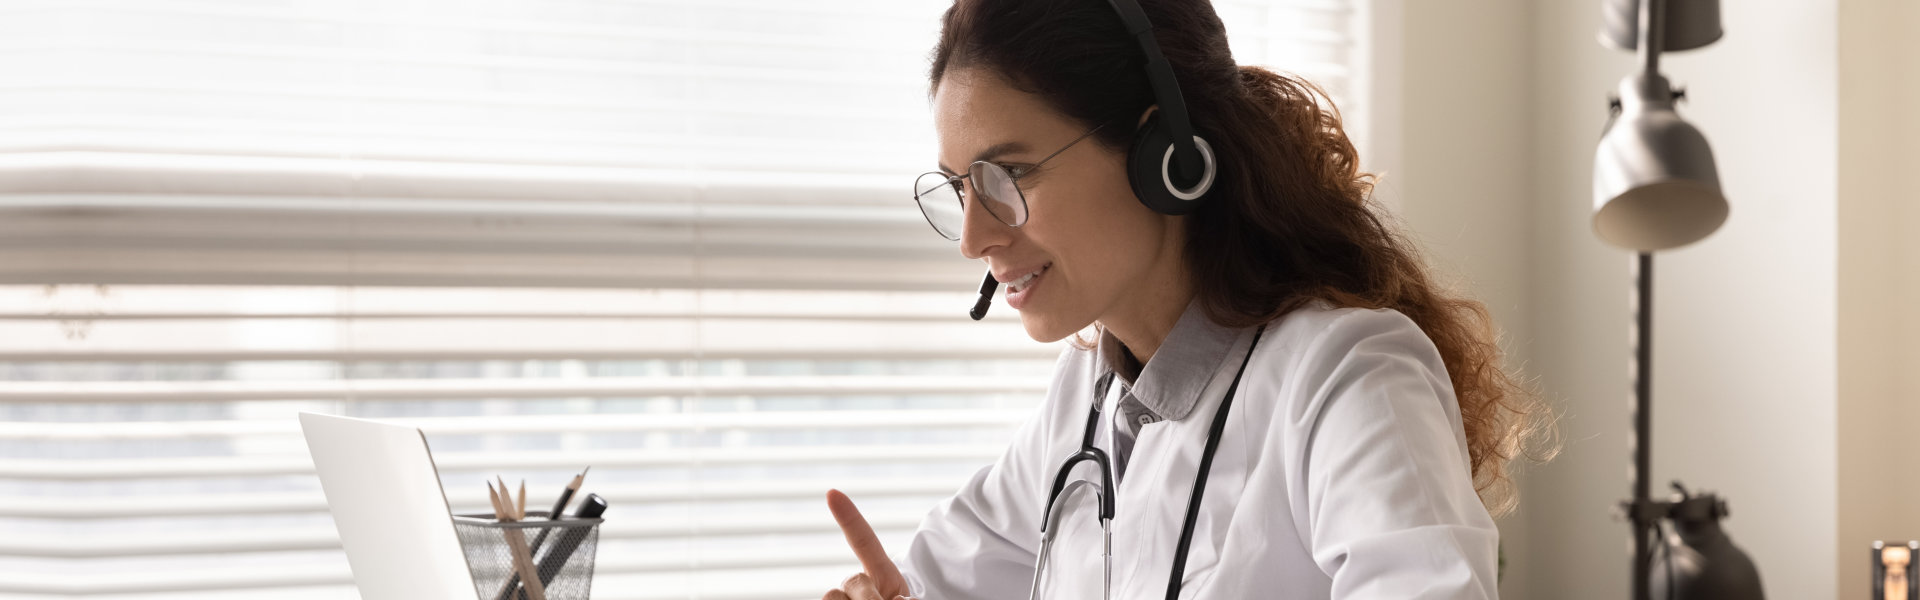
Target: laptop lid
{"x": 386, "y": 500}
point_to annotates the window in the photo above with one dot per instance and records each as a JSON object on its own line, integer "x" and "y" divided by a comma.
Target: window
{"x": 667, "y": 239}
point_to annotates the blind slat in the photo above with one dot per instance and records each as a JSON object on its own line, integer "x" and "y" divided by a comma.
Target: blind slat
{"x": 292, "y": 540}
{"x": 580, "y": 423}
{"x": 456, "y": 389}
{"x": 662, "y": 492}
{"x": 150, "y": 468}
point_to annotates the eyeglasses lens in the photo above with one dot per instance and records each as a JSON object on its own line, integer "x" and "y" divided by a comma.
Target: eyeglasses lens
{"x": 1002, "y": 197}
{"x": 939, "y": 199}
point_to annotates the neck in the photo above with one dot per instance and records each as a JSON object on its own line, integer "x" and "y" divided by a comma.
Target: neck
{"x": 1144, "y": 322}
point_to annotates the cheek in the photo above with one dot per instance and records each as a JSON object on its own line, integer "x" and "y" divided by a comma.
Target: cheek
{"x": 1102, "y": 234}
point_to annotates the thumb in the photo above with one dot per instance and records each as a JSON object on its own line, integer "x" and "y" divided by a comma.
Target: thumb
{"x": 866, "y": 546}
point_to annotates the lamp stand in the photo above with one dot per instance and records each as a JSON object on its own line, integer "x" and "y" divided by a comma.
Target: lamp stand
{"x": 1642, "y": 511}
{"x": 1710, "y": 566}
{"x": 1655, "y": 187}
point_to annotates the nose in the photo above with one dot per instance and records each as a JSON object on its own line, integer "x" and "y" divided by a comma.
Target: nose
{"x": 980, "y": 231}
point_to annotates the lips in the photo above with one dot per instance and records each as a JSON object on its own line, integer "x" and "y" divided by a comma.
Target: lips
{"x": 1020, "y": 289}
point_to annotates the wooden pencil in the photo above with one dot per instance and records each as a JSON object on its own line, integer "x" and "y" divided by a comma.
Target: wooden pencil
{"x": 517, "y": 544}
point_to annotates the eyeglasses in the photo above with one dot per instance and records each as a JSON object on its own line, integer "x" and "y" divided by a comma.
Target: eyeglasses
{"x": 942, "y": 199}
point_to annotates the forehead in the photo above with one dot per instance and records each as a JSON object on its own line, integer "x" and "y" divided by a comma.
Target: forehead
{"x": 973, "y": 110}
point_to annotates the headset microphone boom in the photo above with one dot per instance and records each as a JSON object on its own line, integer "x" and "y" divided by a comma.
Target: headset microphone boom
{"x": 987, "y": 287}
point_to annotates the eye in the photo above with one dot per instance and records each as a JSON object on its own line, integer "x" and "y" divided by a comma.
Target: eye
{"x": 1022, "y": 175}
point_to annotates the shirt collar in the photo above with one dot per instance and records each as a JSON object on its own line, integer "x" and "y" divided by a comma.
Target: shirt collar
{"x": 1173, "y": 379}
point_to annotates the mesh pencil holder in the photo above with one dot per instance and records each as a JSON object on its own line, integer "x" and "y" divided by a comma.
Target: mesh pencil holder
{"x": 563, "y": 556}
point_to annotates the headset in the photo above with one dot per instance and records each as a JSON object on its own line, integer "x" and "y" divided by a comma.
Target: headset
{"x": 1169, "y": 167}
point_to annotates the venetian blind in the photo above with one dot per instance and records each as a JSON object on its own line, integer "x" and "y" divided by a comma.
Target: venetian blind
{"x": 668, "y": 239}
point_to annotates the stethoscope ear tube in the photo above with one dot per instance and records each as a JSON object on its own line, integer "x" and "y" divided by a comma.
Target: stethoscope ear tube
{"x": 1099, "y": 457}
{"x": 1206, "y": 464}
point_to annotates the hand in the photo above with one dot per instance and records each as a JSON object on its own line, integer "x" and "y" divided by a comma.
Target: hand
{"x": 880, "y": 579}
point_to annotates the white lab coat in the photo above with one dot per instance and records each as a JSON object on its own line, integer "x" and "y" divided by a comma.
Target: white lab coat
{"x": 1342, "y": 473}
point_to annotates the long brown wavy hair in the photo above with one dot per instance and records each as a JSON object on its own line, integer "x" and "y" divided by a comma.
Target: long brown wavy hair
{"x": 1290, "y": 218}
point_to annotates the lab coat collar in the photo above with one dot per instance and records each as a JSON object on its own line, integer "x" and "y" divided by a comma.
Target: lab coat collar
{"x": 1172, "y": 380}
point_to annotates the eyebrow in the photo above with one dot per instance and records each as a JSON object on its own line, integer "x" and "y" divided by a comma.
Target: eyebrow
{"x": 991, "y": 152}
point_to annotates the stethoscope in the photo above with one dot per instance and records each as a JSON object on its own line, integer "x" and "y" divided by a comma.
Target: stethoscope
{"x": 1099, "y": 457}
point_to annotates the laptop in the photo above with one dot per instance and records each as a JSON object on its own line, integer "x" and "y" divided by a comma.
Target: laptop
{"x": 386, "y": 500}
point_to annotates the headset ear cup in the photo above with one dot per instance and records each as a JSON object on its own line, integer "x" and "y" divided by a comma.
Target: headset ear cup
{"x": 1143, "y": 167}
{"x": 1150, "y": 145}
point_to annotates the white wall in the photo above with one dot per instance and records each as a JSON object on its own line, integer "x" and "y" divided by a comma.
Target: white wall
{"x": 1744, "y": 376}
{"x": 1781, "y": 379}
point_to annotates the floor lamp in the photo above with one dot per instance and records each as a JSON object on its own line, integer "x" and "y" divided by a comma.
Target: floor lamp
{"x": 1655, "y": 188}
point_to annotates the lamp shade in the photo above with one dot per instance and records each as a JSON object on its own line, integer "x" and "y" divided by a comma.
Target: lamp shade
{"x": 1654, "y": 183}
{"x": 1700, "y": 562}
{"x": 1687, "y": 24}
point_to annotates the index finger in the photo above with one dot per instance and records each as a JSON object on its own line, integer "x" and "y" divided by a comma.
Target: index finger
{"x": 865, "y": 545}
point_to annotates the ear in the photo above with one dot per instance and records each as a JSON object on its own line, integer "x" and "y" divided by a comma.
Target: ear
{"x": 1145, "y": 114}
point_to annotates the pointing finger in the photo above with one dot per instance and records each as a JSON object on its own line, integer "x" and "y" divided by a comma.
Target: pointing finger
{"x": 866, "y": 546}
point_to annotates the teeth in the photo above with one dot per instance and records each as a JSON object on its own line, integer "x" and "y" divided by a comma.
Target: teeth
{"x": 1021, "y": 283}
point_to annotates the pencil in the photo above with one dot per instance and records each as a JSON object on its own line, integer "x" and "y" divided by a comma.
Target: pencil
{"x": 540, "y": 539}
{"x": 566, "y": 495}
{"x": 517, "y": 544}
{"x": 499, "y": 512}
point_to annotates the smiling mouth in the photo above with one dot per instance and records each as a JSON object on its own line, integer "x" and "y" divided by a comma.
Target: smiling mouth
{"x": 1021, "y": 283}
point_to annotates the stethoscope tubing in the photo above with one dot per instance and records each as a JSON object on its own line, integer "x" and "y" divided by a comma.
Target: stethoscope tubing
{"x": 1089, "y": 453}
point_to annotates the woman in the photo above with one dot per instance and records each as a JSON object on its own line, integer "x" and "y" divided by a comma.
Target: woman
{"x": 1284, "y": 402}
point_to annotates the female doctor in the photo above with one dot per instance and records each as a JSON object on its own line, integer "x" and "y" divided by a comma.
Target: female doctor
{"x": 1276, "y": 400}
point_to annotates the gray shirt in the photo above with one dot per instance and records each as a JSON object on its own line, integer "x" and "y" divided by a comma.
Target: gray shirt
{"x": 1167, "y": 388}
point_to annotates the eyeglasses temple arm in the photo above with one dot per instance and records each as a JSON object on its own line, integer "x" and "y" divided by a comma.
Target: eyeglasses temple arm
{"x": 1063, "y": 148}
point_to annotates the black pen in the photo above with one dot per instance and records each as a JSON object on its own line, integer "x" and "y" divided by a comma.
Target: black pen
{"x": 593, "y": 507}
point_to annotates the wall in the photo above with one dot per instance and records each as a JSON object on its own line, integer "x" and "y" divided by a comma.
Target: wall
{"x": 1744, "y": 345}
{"x": 1781, "y": 379}
{"x": 1460, "y": 188}
{"x": 1879, "y": 276}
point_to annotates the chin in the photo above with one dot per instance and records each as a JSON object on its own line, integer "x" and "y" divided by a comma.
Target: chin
{"x": 1047, "y": 329}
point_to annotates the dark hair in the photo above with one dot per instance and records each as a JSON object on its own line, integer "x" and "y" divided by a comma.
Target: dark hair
{"x": 1290, "y": 218}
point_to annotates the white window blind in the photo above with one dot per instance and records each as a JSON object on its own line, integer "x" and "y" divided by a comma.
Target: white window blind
{"x": 668, "y": 239}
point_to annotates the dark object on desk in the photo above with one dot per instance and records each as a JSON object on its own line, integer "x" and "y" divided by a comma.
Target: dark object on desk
{"x": 1894, "y": 571}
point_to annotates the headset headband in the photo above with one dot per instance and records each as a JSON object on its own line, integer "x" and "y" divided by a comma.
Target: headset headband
{"x": 1187, "y": 161}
